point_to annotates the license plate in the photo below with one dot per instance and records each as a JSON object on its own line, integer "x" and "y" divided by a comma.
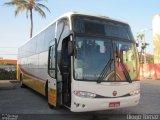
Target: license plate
{"x": 114, "y": 104}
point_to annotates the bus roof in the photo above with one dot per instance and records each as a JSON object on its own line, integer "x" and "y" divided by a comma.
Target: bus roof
{"x": 69, "y": 14}
{"x": 94, "y": 15}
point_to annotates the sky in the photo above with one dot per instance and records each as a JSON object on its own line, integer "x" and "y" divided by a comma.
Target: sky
{"x": 14, "y": 31}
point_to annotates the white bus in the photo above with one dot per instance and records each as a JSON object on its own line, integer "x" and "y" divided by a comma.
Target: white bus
{"x": 84, "y": 62}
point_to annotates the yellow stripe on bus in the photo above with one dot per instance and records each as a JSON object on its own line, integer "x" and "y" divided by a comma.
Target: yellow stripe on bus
{"x": 35, "y": 84}
{"x": 52, "y": 96}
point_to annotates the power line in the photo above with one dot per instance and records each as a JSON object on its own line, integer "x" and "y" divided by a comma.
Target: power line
{"x": 8, "y": 47}
{"x": 6, "y": 51}
{"x": 8, "y": 54}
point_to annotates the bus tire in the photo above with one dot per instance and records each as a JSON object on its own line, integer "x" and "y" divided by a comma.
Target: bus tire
{"x": 51, "y": 106}
{"x": 21, "y": 81}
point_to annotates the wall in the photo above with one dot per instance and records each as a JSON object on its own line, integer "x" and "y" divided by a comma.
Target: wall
{"x": 150, "y": 71}
{"x": 156, "y": 37}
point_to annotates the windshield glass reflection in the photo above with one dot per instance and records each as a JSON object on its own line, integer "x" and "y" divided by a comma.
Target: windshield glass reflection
{"x": 126, "y": 62}
{"x": 98, "y": 59}
{"x": 91, "y": 56}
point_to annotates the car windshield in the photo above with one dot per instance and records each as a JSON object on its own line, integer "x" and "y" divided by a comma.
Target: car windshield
{"x": 97, "y": 58}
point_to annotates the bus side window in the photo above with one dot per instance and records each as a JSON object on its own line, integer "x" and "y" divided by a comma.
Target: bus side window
{"x": 52, "y": 61}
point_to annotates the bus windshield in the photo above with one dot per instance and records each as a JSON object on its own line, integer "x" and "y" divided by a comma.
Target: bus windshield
{"x": 107, "y": 59}
{"x": 99, "y": 26}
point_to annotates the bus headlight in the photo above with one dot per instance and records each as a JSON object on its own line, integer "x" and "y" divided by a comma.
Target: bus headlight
{"x": 135, "y": 92}
{"x": 85, "y": 94}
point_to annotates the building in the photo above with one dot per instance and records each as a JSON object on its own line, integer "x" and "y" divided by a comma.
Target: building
{"x": 8, "y": 61}
{"x": 147, "y": 58}
{"x": 156, "y": 38}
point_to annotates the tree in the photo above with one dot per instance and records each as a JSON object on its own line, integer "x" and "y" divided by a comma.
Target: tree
{"x": 28, "y": 6}
{"x": 142, "y": 43}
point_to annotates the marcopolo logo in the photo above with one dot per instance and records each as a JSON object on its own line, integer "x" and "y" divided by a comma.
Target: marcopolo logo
{"x": 114, "y": 93}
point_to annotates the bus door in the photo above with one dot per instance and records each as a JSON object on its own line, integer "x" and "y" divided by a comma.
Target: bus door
{"x": 66, "y": 73}
{"x": 63, "y": 60}
{"x": 52, "y": 84}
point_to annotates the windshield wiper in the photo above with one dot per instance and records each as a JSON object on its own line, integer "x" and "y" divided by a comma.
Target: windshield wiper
{"x": 125, "y": 72}
{"x": 104, "y": 71}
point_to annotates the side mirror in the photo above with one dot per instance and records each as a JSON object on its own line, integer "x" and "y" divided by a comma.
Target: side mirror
{"x": 70, "y": 48}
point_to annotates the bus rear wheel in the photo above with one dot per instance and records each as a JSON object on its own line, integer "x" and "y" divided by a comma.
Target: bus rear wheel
{"x": 21, "y": 81}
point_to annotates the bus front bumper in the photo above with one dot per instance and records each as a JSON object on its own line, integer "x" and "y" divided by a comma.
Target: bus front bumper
{"x": 93, "y": 104}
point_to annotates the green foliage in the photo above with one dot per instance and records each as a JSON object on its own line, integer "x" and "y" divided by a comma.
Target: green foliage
{"x": 151, "y": 60}
{"x": 7, "y": 75}
{"x": 144, "y": 45}
{"x": 28, "y": 6}
{"x": 140, "y": 36}
{"x": 140, "y": 39}
{"x": 5, "y": 63}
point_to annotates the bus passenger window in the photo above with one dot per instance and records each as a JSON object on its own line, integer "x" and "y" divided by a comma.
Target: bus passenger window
{"x": 52, "y": 61}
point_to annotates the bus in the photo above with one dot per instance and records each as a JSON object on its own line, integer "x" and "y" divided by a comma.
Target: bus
{"x": 84, "y": 62}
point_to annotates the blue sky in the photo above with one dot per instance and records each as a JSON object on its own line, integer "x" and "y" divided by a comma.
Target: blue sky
{"x": 15, "y": 31}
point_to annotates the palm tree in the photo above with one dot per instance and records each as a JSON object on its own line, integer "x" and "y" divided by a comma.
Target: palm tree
{"x": 28, "y": 6}
{"x": 140, "y": 39}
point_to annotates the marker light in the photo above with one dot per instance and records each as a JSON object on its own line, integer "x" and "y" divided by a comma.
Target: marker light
{"x": 135, "y": 92}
